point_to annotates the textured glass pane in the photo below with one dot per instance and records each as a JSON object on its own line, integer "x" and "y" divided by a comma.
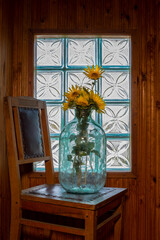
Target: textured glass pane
{"x": 49, "y": 52}
{"x": 55, "y": 152}
{"x": 115, "y": 85}
{"x": 81, "y": 52}
{"x": 39, "y": 166}
{"x": 116, "y": 119}
{"x": 49, "y": 85}
{"x": 78, "y": 78}
{"x": 118, "y": 154}
{"x": 115, "y": 52}
{"x": 54, "y": 118}
{"x": 71, "y": 114}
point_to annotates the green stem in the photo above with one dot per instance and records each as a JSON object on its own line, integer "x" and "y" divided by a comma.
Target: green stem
{"x": 91, "y": 166}
{"x": 86, "y": 172}
{"x": 93, "y": 84}
{"x": 79, "y": 172}
{"x": 73, "y": 169}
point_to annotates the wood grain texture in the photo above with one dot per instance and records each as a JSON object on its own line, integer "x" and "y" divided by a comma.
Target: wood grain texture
{"x": 157, "y": 95}
{"x": 142, "y": 209}
{"x": 6, "y": 47}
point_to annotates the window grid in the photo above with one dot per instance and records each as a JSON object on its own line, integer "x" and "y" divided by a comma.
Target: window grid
{"x": 114, "y": 151}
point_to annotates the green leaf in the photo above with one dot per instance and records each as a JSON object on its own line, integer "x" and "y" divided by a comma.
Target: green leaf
{"x": 91, "y": 135}
{"x": 83, "y": 149}
{"x": 96, "y": 152}
{"x": 80, "y": 149}
{"x": 72, "y": 137}
{"x": 69, "y": 157}
{"x": 90, "y": 145}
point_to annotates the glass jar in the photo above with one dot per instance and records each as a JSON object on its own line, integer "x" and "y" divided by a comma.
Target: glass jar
{"x": 82, "y": 155}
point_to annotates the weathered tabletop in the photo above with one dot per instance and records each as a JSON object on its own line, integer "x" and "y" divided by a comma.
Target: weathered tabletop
{"x": 57, "y": 194}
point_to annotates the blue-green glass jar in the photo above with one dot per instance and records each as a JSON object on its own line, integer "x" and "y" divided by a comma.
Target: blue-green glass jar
{"x": 82, "y": 155}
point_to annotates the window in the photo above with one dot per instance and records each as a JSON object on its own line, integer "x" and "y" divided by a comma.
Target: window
{"x": 59, "y": 63}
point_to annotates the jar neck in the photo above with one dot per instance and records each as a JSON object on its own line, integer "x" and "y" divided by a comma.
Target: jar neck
{"x": 82, "y": 114}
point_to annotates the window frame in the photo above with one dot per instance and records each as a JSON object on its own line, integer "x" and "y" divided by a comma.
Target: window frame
{"x": 134, "y": 88}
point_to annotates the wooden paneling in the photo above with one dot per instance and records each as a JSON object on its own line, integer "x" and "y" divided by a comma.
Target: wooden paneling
{"x": 5, "y": 89}
{"x": 157, "y": 93}
{"x": 142, "y": 209}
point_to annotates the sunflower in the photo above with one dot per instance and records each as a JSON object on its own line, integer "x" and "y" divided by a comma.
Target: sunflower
{"x": 65, "y": 106}
{"x": 82, "y": 101}
{"x": 94, "y": 72}
{"x": 97, "y": 102}
{"x": 73, "y": 93}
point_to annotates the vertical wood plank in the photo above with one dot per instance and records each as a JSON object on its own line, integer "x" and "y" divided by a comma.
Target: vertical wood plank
{"x": 118, "y": 225}
{"x": 6, "y": 47}
{"x": 18, "y": 133}
{"x": 48, "y": 164}
{"x": 62, "y": 15}
{"x": 151, "y": 108}
{"x": 142, "y": 131}
{"x": 80, "y": 16}
{"x": 26, "y": 53}
{"x": 157, "y": 92}
{"x": 90, "y": 226}
{"x": 108, "y": 15}
{"x": 53, "y": 14}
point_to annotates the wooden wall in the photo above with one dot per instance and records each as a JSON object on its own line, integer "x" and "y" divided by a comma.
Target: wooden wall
{"x": 157, "y": 122}
{"x": 142, "y": 211}
{"x": 6, "y": 44}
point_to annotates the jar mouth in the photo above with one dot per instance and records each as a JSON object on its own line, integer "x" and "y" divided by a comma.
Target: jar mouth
{"x": 82, "y": 113}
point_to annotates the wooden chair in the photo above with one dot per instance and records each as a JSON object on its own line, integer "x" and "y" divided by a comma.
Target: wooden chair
{"x": 49, "y": 206}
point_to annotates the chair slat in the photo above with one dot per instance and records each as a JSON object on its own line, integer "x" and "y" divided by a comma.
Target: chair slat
{"x": 48, "y": 165}
{"x": 32, "y": 160}
{"x": 42, "y": 132}
{"x": 53, "y": 227}
{"x": 27, "y": 102}
{"x": 18, "y": 133}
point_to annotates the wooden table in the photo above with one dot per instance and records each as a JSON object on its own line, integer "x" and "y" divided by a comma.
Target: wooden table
{"x": 90, "y": 216}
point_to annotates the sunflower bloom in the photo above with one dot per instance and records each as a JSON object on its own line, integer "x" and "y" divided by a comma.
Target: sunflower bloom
{"x": 73, "y": 93}
{"x": 98, "y": 102}
{"x": 65, "y": 106}
{"x": 82, "y": 102}
{"x": 93, "y": 73}
{"x": 81, "y": 97}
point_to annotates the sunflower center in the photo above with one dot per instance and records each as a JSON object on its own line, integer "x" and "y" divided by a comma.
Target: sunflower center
{"x": 94, "y": 76}
{"x": 75, "y": 94}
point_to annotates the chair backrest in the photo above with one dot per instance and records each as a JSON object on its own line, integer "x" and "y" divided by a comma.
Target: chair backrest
{"x": 28, "y": 138}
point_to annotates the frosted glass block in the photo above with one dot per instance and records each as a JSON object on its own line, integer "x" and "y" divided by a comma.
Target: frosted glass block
{"x": 81, "y": 52}
{"x": 54, "y": 118}
{"x": 49, "y": 52}
{"x": 115, "y": 85}
{"x": 115, "y": 52}
{"x": 78, "y": 78}
{"x": 49, "y": 85}
{"x": 55, "y": 152}
{"x": 71, "y": 114}
{"x": 39, "y": 166}
{"x": 118, "y": 154}
{"x": 116, "y": 119}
